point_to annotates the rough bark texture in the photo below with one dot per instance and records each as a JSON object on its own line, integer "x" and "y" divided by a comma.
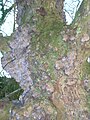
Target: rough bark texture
{"x": 49, "y": 60}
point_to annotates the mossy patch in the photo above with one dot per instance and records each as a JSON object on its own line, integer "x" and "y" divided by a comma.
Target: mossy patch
{"x": 4, "y": 43}
{"x": 86, "y": 73}
{"x": 86, "y": 68}
{"x": 88, "y": 101}
{"x": 49, "y": 53}
{"x": 4, "y": 110}
{"x": 47, "y": 42}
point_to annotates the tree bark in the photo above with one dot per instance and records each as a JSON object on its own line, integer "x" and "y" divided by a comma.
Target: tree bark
{"x": 49, "y": 60}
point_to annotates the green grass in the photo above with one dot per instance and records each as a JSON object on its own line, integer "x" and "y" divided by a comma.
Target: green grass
{"x": 7, "y": 86}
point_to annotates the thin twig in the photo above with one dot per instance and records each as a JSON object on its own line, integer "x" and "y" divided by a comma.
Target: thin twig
{"x": 13, "y": 92}
{"x": 7, "y": 64}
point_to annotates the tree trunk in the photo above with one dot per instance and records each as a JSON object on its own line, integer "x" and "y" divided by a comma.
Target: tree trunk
{"x": 49, "y": 60}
